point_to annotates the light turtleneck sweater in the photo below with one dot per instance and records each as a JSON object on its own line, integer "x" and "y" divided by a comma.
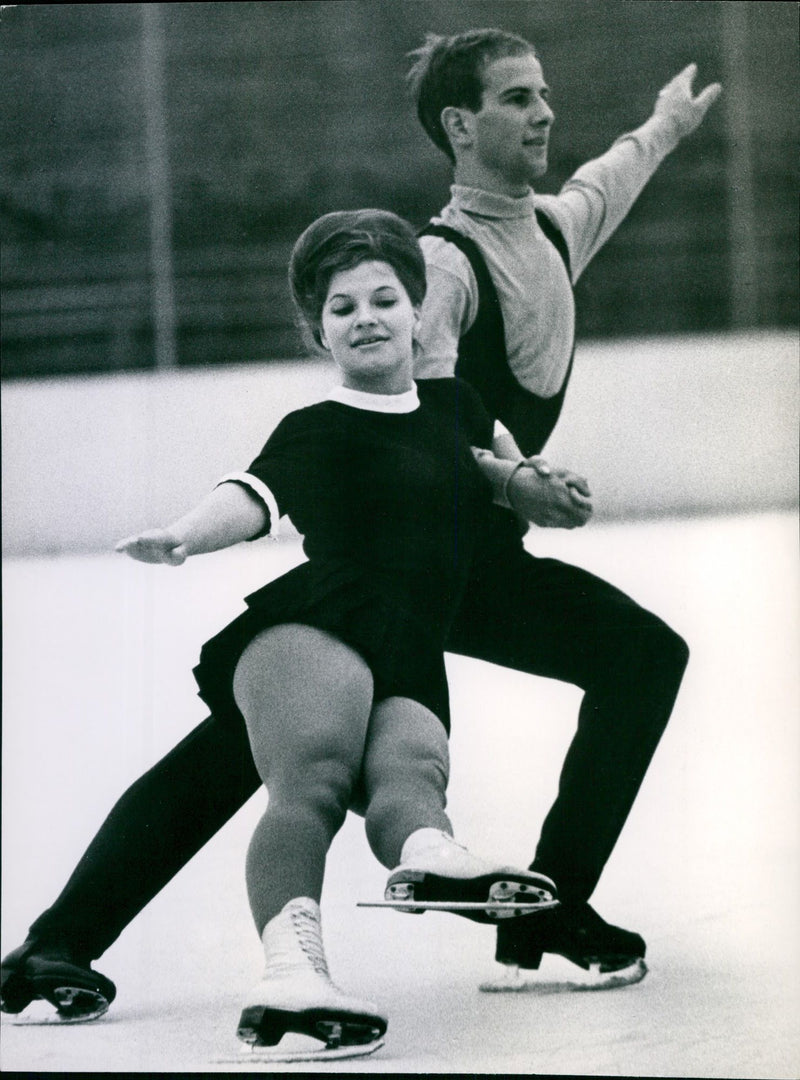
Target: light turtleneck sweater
{"x": 528, "y": 273}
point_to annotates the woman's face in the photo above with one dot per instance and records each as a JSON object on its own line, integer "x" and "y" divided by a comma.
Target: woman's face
{"x": 368, "y": 323}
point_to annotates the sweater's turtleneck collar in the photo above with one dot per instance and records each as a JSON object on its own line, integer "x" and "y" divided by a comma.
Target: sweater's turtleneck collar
{"x": 491, "y": 204}
{"x": 406, "y": 402}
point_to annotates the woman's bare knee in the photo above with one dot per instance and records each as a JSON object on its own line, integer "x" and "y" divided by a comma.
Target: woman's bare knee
{"x": 306, "y": 699}
{"x": 302, "y": 667}
{"x": 323, "y": 783}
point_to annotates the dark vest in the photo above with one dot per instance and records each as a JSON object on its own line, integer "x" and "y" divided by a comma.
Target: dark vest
{"x": 482, "y": 357}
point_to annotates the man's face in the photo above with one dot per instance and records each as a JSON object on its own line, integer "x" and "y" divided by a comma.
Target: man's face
{"x": 512, "y": 127}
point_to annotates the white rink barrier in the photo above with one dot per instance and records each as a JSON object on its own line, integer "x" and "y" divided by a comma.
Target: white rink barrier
{"x": 659, "y": 426}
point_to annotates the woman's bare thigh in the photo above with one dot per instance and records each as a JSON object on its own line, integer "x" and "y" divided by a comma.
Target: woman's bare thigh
{"x": 306, "y": 698}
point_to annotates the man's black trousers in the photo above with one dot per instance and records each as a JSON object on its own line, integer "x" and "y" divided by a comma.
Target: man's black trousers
{"x": 539, "y": 616}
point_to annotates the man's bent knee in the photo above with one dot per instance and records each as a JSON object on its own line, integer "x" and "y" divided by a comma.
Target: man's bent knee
{"x": 666, "y": 647}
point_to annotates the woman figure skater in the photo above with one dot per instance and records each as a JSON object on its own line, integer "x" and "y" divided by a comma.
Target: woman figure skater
{"x": 337, "y": 667}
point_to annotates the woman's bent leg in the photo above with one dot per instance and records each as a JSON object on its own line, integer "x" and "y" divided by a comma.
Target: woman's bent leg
{"x": 405, "y": 774}
{"x": 306, "y": 698}
{"x": 307, "y": 724}
{"x": 406, "y": 768}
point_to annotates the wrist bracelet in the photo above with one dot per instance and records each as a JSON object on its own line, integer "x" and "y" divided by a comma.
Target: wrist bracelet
{"x": 509, "y": 478}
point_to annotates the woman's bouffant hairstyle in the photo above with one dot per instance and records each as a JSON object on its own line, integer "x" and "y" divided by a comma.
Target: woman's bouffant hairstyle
{"x": 342, "y": 240}
{"x": 448, "y": 71}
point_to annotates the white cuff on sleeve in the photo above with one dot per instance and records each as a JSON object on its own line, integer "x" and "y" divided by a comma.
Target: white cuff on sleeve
{"x": 261, "y": 491}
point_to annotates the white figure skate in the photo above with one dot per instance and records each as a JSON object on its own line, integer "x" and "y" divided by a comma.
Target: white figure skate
{"x": 436, "y": 873}
{"x": 296, "y": 996}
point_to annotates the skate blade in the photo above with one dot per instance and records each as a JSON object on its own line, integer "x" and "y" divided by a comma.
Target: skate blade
{"x": 498, "y": 887}
{"x": 500, "y": 909}
{"x": 508, "y": 978}
{"x": 294, "y": 1052}
{"x": 58, "y": 1010}
{"x": 319, "y": 1031}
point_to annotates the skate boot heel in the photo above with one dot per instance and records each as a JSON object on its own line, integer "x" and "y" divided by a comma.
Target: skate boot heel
{"x": 77, "y": 992}
{"x": 260, "y": 1026}
{"x": 593, "y": 954}
{"x": 515, "y": 949}
{"x": 533, "y": 960}
{"x": 16, "y": 993}
{"x": 351, "y": 1031}
{"x": 404, "y": 890}
{"x": 264, "y": 1026}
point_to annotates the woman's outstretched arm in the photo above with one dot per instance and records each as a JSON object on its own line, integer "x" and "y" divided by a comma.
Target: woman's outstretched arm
{"x": 226, "y": 516}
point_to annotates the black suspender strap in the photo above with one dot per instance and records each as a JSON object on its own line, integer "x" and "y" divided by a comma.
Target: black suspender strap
{"x": 556, "y": 238}
{"x": 482, "y": 349}
{"x": 482, "y": 356}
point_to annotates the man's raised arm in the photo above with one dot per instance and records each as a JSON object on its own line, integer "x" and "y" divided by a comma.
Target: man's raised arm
{"x": 596, "y": 199}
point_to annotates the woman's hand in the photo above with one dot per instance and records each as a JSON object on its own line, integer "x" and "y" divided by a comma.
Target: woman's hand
{"x": 228, "y": 514}
{"x": 578, "y": 484}
{"x": 155, "y": 546}
{"x": 560, "y": 500}
{"x": 550, "y": 497}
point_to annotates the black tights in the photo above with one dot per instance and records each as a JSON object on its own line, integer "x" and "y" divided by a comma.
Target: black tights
{"x": 163, "y": 819}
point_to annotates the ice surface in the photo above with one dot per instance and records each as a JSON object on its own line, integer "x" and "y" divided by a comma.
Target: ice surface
{"x": 98, "y": 654}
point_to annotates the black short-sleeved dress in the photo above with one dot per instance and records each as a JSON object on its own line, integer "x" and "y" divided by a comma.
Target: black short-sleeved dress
{"x": 394, "y": 513}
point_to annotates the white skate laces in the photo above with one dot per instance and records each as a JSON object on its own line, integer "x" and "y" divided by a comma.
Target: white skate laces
{"x": 306, "y": 921}
{"x": 297, "y": 998}
{"x": 296, "y": 974}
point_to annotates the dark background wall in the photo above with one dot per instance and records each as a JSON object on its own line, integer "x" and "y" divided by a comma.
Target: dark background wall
{"x": 276, "y": 112}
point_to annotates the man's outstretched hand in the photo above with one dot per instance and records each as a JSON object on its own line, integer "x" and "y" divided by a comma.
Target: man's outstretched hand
{"x": 677, "y": 101}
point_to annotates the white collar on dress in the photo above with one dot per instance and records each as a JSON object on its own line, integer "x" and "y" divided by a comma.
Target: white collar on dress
{"x": 406, "y": 402}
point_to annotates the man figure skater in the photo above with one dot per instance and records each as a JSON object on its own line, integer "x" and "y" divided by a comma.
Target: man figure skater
{"x": 500, "y": 313}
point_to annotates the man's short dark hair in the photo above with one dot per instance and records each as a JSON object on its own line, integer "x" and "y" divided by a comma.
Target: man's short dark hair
{"x": 448, "y": 71}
